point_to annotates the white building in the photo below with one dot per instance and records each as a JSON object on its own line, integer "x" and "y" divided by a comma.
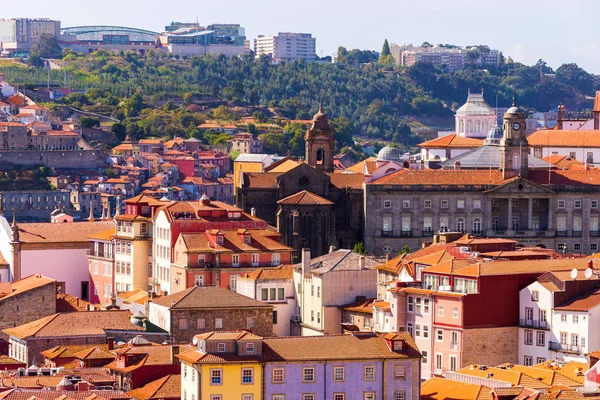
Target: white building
{"x": 328, "y": 282}
{"x": 475, "y": 118}
{"x": 287, "y": 46}
{"x": 273, "y": 286}
{"x": 558, "y": 318}
{"x": 580, "y": 145}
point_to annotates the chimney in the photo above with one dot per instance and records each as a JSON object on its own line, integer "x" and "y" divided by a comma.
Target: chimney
{"x": 83, "y": 386}
{"x": 587, "y": 165}
{"x": 305, "y": 260}
{"x": 174, "y": 353}
{"x": 388, "y": 256}
{"x": 110, "y": 341}
{"x": 560, "y": 117}
{"x": 253, "y": 212}
{"x": 457, "y": 165}
{"x": 151, "y": 294}
{"x": 361, "y": 262}
{"x": 332, "y": 249}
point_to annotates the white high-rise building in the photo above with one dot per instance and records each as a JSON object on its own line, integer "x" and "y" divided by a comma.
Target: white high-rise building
{"x": 287, "y": 46}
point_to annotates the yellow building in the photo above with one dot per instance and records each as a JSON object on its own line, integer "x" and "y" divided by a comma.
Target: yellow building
{"x": 245, "y": 163}
{"x": 224, "y": 365}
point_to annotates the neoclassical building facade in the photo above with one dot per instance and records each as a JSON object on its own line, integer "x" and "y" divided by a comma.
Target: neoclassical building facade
{"x": 509, "y": 198}
{"x": 475, "y": 118}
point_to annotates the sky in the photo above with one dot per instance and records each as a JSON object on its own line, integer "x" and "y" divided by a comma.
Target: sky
{"x": 556, "y": 31}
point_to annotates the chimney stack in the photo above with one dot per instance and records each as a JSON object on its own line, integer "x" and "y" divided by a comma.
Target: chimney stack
{"x": 457, "y": 165}
{"x": 253, "y": 212}
{"x": 305, "y": 260}
{"x": 361, "y": 262}
{"x": 388, "y": 256}
{"x": 174, "y": 353}
{"x": 560, "y": 117}
{"x": 332, "y": 249}
{"x": 587, "y": 165}
{"x": 110, "y": 341}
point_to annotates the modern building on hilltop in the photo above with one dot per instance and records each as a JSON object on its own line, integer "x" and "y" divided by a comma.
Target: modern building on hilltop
{"x": 18, "y": 35}
{"x": 286, "y": 46}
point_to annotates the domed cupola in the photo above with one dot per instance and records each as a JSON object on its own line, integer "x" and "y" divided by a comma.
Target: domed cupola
{"x": 494, "y": 136}
{"x": 388, "y": 153}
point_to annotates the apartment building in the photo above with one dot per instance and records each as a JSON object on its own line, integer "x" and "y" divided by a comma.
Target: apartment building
{"x": 286, "y": 46}
{"x": 244, "y": 143}
{"x": 17, "y": 35}
{"x": 101, "y": 258}
{"x": 242, "y": 365}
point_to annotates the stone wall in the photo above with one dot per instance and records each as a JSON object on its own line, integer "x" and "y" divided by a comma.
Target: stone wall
{"x": 34, "y": 205}
{"x": 490, "y": 346}
{"x": 26, "y": 307}
{"x": 54, "y": 158}
{"x": 233, "y": 319}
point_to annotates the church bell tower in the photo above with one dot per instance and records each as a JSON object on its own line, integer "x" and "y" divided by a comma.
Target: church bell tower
{"x": 320, "y": 143}
{"x": 514, "y": 149}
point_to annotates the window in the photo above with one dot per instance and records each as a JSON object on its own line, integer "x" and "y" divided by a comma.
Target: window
{"x": 201, "y": 323}
{"x": 576, "y": 246}
{"x": 264, "y": 294}
{"x": 221, "y": 347}
{"x": 411, "y": 305}
{"x": 312, "y": 315}
{"x": 399, "y": 395}
{"x": 563, "y": 338}
{"x": 453, "y": 363}
{"x": 216, "y": 397}
{"x": 440, "y": 335}
{"x": 308, "y": 396}
{"x": 308, "y": 374}
{"x": 216, "y": 376}
{"x": 440, "y": 311}
{"x": 369, "y": 396}
{"x": 594, "y": 203}
{"x": 562, "y": 204}
{"x": 339, "y": 396}
{"x": 400, "y": 372}
{"x": 444, "y": 204}
{"x": 198, "y": 280}
{"x": 425, "y": 331}
{"x": 454, "y": 312}
{"x": 427, "y": 204}
{"x": 318, "y": 291}
{"x": 219, "y": 323}
{"x": 541, "y": 339}
{"x": 424, "y": 357}
{"x": 255, "y": 259}
{"x": 540, "y": 360}
{"x": 387, "y": 204}
{"x": 369, "y": 373}
{"x": 278, "y": 375}
{"x": 250, "y": 322}
{"x": 535, "y": 295}
{"x": 529, "y": 337}
{"x": 312, "y": 290}
{"x": 418, "y": 308}
{"x": 582, "y": 339}
{"x": 477, "y": 204}
{"x": 409, "y": 328}
{"x": 274, "y": 317}
{"x": 426, "y": 306}
{"x": 443, "y": 224}
{"x": 339, "y": 374}
{"x": 249, "y": 348}
{"x": 577, "y": 203}
{"x": 542, "y": 315}
{"x": 247, "y": 376}
{"x": 528, "y": 361}
{"x": 235, "y": 260}
{"x": 183, "y": 323}
{"x": 593, "y": 247}
{"x": 575, "y": 319}
{"x": 563, "y": 318}
{"x": 476, "y": 225}
{"x": 405, "y": 203}
{"x": 460, "y": 224}
{"x": 418, "y": 330}
{"x": 460, "y": 204}
{"x": 247, "y": 396}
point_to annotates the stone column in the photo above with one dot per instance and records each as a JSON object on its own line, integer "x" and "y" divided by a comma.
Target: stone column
{"x": 488, "y": 216}
{"x": 530, "y": 213}
{"x": 509, "y": 228}
{"x": 550, "y": 214}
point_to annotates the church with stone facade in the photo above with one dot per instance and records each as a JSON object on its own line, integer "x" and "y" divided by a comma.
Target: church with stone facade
{"x": 310, "y": 204}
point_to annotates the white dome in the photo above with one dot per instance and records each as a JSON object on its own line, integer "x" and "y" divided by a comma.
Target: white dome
{"x": 389, "y": 153}
{"x": 475, "y": 106}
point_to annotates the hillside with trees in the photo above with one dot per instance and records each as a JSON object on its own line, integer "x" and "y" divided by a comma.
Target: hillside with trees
{"x": 364, "y": 93}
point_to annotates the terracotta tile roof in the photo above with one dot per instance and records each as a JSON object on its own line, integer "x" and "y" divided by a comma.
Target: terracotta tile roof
{"x": 94, "y": 353}
{"x": 564, "y": 138}
{"x": 342, "y": 180}
{"x": 150, "y": 141}
{"x": 229, "y": 335}
{"x": 85, "y": 323}
{"x": 283, "y": 165}
{"x": 261, "y": 180}
{"x": 265, "y": 274}
{"x": 453, "y": 140}
{"x": 514, "y": 377}
{"x": 393, "y": 265}
{"x": 196, "y": 357}
{"x": 584, "y": 302}
{"x": 199, "y": 297}
{"x": 382, "y": 305}
{"x": 262, "y": 240}
{"x": 566, "y": 177}
{"x": 441, "y": 177}
{"x": 74, "y": 232}
{"x": 6, "y": 360}
{"x": 123, "y": 147}
{"x": 305, "y": 198}
{"x": 168, "y": 387}
{"x": 546, "y": 376}
{"x": 563, "y": 161}
{"x": 336, "y": 347}
{"x": 105, "y": 235}
{"x": 572, "y": 370}
{"x": 416, "y": 290}
{"x": 445, "y": 389}
{"x": 32, "y": 394}
{"x": 362, "y": 306}
{"x": 70, "y": 351}
{"x": 147, "y": 356}
{"x": 339, "y": 260}
{"x": 8, "y": 290}
{"x": 359, "y": 166}
{"x": 68, "y": 303}
{"x": 469, "y": 240}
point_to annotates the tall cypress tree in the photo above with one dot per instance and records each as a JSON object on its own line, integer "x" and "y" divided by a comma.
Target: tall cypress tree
{"x": 385, "y": 51}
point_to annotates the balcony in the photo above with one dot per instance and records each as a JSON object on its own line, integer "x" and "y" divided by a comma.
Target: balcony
{"x": 561, "y": 233}
{"x": 406, "y": 233}
{"x": 476, "y": 232}
{"x": 594, "y": 233}
{"x": 387, "y": 233}
{"x": 534, "y": 324}
{"x": 577, "y": 233}
{"x": 564, "y": 348}
{"x": 427, "y": 233}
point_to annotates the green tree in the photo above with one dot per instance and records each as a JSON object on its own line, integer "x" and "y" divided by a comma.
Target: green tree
{"x": 119, "y": 130}
{"x": 359, "y": 248}
{"x": 47, "y": 47}
{"x": 385, "y": 53}
{"x": 258, "y": 117}
{"x": 89, "y": 122}
{"x": 35, "y": 61}
{"x": 404, "y": 250}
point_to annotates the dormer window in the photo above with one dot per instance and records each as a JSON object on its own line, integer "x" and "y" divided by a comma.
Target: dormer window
{"x": 250, "y": 348}
{"x": 221, "y": 347}
{"x": 397, "y": 345}
{"x": 247, "y": 239}
{"x": 219, "y": 239}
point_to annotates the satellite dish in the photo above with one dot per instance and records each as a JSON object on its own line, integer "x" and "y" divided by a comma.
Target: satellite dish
{"x": 573, "y": 273}
{"x": 588, "y": 273}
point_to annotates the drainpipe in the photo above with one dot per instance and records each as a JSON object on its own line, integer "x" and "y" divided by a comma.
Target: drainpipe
{"x": 383, "y": 375}
{"x": 325, "y": 380}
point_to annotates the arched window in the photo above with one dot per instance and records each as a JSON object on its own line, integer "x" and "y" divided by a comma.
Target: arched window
{"x": 461, "y": 126}
{"x": 460, "y": 224}
{"x": 486, "y": 127}
{"x": 477, "y": 126}
{"x": 516, "y": 161}
{"x": 469, "y": 126}
{"x": 320, "y": 156}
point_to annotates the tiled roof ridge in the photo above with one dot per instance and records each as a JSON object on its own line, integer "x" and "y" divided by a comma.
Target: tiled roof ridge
{"x": 190, "y": 290}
